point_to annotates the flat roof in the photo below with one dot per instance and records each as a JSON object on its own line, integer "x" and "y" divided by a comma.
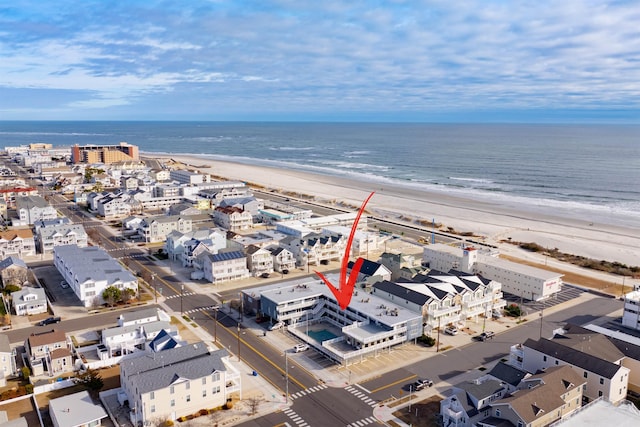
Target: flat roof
{"x": 378, "y": 309}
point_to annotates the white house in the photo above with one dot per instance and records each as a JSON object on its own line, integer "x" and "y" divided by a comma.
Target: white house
{"x": 631, "y": 314}
{"x": 259, "y": 261}
{"x": 33, "y": 208}
{"x": 176, "y": 382}
{"x": 76, "y": 410}
{"x": 17, "y": 242}
{"x": 224, "y": 266}
{"x": 156, "y": 229}
{"x": 29, "y": 301}
{"x": 89, "y": 271}
{"x": 233, "y": 218}
{"x": 58, "y": 235}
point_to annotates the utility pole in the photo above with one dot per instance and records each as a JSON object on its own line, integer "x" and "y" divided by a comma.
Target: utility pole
{"x": 181, "y": 295}
{"x": 542, "y": 316}
{"x": 238, "y": 341}
{"x": 286, "y": 369}
{"x": 215, "y": 325}
{"x": 438, "y": 340}
{"x": 153, "y": 283}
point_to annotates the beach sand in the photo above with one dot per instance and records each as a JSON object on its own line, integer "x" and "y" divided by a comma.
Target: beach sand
{"x": 491, "y": 222}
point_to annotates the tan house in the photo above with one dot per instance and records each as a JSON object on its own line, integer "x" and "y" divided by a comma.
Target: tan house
{"x": 17, "y": 242}
{"x": 49, "y": 351}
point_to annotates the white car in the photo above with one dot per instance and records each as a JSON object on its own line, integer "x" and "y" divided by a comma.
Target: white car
{"x": 276, "y": 326}
{"x": 451, "y": 330}
{"x": 300, "y": 347}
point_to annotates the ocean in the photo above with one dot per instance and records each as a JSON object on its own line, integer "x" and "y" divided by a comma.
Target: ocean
{"x": 589, "y": 172}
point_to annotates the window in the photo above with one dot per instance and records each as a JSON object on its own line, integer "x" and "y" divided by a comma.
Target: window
{"x": 600, "y": 393}
{"x": 173, "y": 402}
{"x": 188, "y": 398}
{"x": 204, "y": 393}
{"x": 216, "y": 389}
{"x": 556, "y": 362}
{"x": 187, "y": 385}
{"x": 585, "y": 374}
{"x": 544, "y": 358}
{"x": 172, "y": 389}
{"x": 204, "y": 380}
{"x": 215, "y": 377}
{"x": 152, "y": 395}
{"x": 498, "y": 413}
{"x": 520, "y": 424}
{"x": 153, "y": 408}
{"x": 601, "y": 380}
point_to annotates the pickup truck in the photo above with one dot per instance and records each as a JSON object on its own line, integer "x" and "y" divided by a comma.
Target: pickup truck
{"x": 487, "y": 335}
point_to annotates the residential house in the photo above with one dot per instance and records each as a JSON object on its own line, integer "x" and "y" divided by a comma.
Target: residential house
{"x": 114, "y": 206}
{"x": 315, "y": 248}
{"x": 76, "y": 410}
{"x": 58, "y": 235}
{"x": 32, "y": 208}
{"x": 61, "y": 220}
{"x": 177, "y": 382}
{"x": 259, "y": 261}
{"x": 184, "y": 246}
{"x": 7, "y": 360}
{"x": 29, "y": 301}
{"x": 232, "y": 218}
{"x": 596, "y": 359}
{"x": 184, "y": 209}
{"x": 527, "y": 400}
{"x": 246, "y": 203}
{"x": 18, "y": 242}
{"x": 224, "y": 266}
{"x": 467, "y": 403}
{"x": 283, "y": 260}
{"x": 122, "y": 340}
{"x": 140, "y": 317}
{"x": 89, "y": 271}
{"x": 540, "y": 400}
{"x": 402, "y": 266}
{"x": 13, "y": 271}
{"x": 50, "y": 349}
{"x": 156, "y": 229}
{"x": 370, "y": 272}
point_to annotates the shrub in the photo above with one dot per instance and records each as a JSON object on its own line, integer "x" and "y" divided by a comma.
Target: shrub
{"x": 168, "y": 423}
{"x": 29, "y": 388}
{"x": 427, "y": 340}
{"x": 513, "y": 310}
{"x": 203, "y": 412}
{"x": 228, "y": 405}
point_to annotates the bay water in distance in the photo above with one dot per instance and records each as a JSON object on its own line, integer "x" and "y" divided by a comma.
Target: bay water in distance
{"x": 587, "y": 172}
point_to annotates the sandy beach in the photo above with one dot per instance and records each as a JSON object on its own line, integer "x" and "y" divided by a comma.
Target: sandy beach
{"x": 491, "y": 222}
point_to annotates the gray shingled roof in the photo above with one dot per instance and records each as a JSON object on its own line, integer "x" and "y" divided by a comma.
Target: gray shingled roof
{"x": 159, "y": 370}
{"x": 574, "y": 357}
{"x": 402, "y": 292}
{"x": 507, "y": 373}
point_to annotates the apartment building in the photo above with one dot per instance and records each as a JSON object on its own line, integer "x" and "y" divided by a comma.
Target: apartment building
{"x": 104, "y": 153}
{"x": 224, "y": 266}
{"x": 89, "y": 271}
{"x": 232, "y": 218}
{"x": 188, "y": 177}
{"x": 57, "y": 235}
{"x": 32, "y": 208}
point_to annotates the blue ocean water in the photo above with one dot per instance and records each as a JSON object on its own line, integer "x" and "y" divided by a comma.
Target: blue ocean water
{"x": 584, "y": 171}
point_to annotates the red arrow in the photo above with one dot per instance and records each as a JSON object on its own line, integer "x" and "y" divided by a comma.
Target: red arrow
{"x": 344, "y": 293}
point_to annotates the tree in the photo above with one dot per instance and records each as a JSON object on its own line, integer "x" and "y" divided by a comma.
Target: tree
{"x": 111, "y": 295}
{"x": 91, "y": 380}
{"x": 128, "y": 294}
{"x": 254, "y": 403}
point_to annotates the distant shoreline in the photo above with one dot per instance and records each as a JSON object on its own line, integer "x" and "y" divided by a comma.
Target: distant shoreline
{"x": 492, "y": 222}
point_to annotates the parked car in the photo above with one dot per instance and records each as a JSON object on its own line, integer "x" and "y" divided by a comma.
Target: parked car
{"x": 49, "y": 321}
{"x": 300, "y": 347}
{"x": 421, "y": 383}
{"x": 487, "y": 335}
{"x": 496, "y": 314}
{"x": 276, "y": 326}
{"x": 451, "y": 330}
{"x": 64, "y": 284}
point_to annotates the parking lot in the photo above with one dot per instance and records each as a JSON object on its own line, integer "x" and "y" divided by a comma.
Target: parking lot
{"x": 567, "y": 293}
{"x": 63, "y": 301}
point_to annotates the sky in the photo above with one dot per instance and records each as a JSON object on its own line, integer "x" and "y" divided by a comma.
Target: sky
{"x": 298, "y": 60}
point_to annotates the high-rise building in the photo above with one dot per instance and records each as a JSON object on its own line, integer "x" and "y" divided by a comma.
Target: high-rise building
{"x": 104, "y": 153}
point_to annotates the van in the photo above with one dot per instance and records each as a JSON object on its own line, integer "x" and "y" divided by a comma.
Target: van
{"x": 300, "y": 347}
{"x": 451, "y": 330}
